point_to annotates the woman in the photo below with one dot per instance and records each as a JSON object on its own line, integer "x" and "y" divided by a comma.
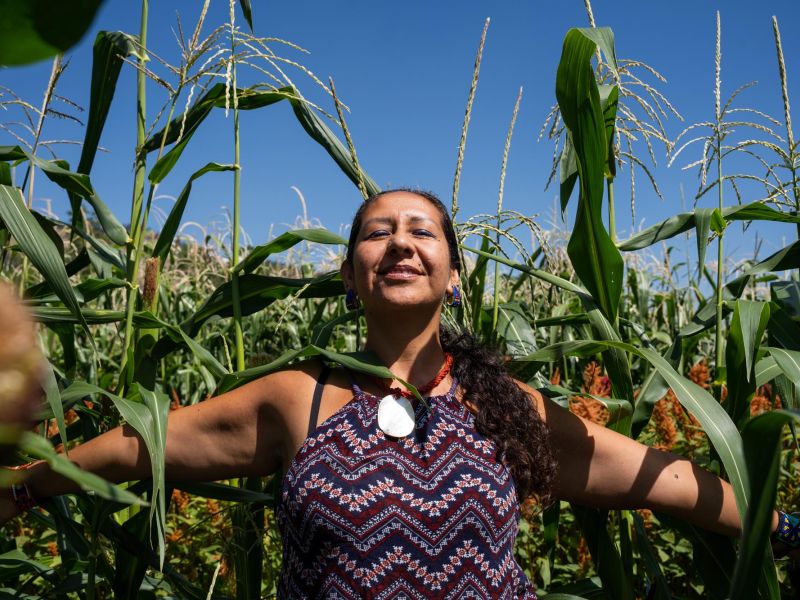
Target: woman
{"x": 372, "y": 506}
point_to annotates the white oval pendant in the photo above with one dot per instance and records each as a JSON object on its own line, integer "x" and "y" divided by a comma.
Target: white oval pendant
{"x": 396, "y": 416}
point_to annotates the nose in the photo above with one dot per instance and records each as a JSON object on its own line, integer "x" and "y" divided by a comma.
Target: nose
{"x": 401, "y": 243}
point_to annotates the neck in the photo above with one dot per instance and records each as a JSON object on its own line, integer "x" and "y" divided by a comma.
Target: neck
{"x": 408, "y": 344}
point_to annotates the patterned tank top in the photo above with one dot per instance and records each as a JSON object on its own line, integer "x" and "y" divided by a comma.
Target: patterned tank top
{"x": 433, "y": 515}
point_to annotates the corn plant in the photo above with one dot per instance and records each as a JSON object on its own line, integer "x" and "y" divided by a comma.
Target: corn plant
{"x": 136, "y": 322}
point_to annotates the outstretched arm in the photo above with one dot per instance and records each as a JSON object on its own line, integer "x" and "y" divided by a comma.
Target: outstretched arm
{"x": 236, "y": 434}
{"x": 602, "y": 468}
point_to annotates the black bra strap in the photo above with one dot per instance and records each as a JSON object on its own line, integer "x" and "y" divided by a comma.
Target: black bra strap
{"x": 312, "y": 420}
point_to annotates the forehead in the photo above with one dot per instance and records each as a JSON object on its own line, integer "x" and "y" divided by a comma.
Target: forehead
{"x": 401, "y": 205}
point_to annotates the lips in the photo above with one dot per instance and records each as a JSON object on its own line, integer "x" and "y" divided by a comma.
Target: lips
{"x": 400, "y": 270}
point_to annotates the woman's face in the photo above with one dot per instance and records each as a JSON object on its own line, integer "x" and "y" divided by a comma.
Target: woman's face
{"x": 401, "y": 257}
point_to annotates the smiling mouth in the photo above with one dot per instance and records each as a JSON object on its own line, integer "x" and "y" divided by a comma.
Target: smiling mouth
{"x": 400, "y": 272}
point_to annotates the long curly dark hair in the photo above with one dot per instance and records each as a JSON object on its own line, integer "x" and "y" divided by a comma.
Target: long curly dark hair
{"x": 505, "y": 413}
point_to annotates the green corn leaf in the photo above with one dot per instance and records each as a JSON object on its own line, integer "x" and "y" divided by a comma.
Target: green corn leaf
{"x": 221, "y": 491}
{"x": 567, "y": 172}
{"x": 47, "y": 226}
{"x": 250, "y": 99}
{"x": 551, "y": 515}
{"x": 615, "y": 360}
{"x": 146, "y": 412}
{"x": 12, "y": 153}
{"x": 513, "y": 326}
{"x": 110, "y": 47}
{"x": 609, "y": 101}
{"x": 130, "y": 568}
{"x": 86, "y": 291}
{"x": 786, "y": 295}
{"x": 92, "y": 288}
{"x": 15, "y": 563}
{"x": 616, "y": 363}
{"x": 72, "y": 544}
{"x": 683, "y": 222}
{"x": 321, "y": 133}
{"x": 606, "y": 558}
{"x": 59, "y": 315}
{"x": 5, "y": 174}
{"x": 758, "y": 211}
{"x": 248, "y": 542}
{"x": 476, "y": 284}
{"x": 784, "y": 334}
{"x": 285, "y": 241}
{"x": 147, "y": 320}
{"x": 188, "y": 121}
{"x": 604, "y": 38}
{"x": 659, "y": 589}
{"x": 76, "y": 265}
{"x": 135, "y": 547}
{"x": 321, "y": 334}
{"x": 703, "y": 228}
{"x": 78, "y": 184}
{"x": 766, "y": 370}
{"x": 173, "y": 222}
{"x": 194, "y": 117}
{"x": 247, "y": 10}
{"x": 239, "y": 378}
{"x": 788, "y": 391}
{"x": 744, "y": 337}
{"x": 713, "y": 555}
{"x": 719, "y": 427}
{"x": 37, "y": 29}
{"x": 39, "y": 249}
{"x": 361, "y": 362}
{"x": 788, "y": 361}
{"x": 762, "y": 443}
{"x": 39, "y": 447}
{"x": 259, "y": 291}
{"x": 785, "y": 258}
{"x": 562, "y": 320}
{"x": 594, "y": 256}
{"x": 53, "y": 397}
{"x": 752, "y": 320}
{"x": 108, "y": 254}
{"x": 718, "y": 223}
{"x": 152, "y": 416}
{"x": 664, "y": 230}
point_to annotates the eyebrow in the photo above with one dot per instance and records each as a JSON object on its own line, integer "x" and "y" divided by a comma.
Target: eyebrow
{"x": 389, "y": 220}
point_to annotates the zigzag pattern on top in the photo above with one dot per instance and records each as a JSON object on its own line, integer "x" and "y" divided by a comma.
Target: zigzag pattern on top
{"x": 434, "y": 515}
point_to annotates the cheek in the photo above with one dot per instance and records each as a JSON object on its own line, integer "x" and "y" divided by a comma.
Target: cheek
{"x": 361, "y": 270}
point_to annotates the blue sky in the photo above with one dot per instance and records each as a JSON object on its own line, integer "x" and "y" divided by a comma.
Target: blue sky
{"x": 404, "y": 69}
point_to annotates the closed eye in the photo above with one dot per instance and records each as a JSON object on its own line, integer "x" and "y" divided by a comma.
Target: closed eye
{"x": 423, "y": 232}
{"x": 375, "y": 234}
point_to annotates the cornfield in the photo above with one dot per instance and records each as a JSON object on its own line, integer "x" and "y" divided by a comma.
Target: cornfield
{"x": 135, "y": 322}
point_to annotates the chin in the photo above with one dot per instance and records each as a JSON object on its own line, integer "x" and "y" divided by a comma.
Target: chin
{"x": 404, "y": 302}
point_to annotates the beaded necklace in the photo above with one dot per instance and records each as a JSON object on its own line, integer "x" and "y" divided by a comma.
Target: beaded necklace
{"x": 395, "y": 412}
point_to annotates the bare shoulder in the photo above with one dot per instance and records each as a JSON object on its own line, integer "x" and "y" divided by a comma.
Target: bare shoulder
{"x": 283, "y": 388}
{"x": 289, "y": 392}
{"x": 535, "y": 395}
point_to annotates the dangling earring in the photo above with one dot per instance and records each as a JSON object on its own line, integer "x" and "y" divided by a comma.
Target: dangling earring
{"x": 453, "y": 299}
{"x": 351, "y": 299}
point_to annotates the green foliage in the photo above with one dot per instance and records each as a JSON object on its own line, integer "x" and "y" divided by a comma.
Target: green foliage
{"x": 31, "y": 30}
{"x": 634, "y": 352}
{"x": 596, "y": 260}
